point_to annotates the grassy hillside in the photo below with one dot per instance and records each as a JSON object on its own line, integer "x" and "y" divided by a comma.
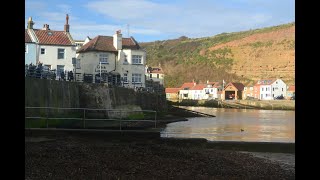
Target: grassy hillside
{"x": 240, "y": 56}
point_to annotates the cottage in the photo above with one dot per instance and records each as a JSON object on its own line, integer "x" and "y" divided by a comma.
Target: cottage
{"x": 172, "y": 94}
{"x": 155, "y": 74}
{"x": 115, "y": 59}
{"x": 269, "y": 89}
{"x": 54, "y": 49}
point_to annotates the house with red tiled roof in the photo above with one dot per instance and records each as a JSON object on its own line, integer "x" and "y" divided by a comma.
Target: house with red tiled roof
{"x": 197, "y": 92}
{"x": 117, "y": 60}
{"x": 270, "y": 89}
{"x": 232, "y": 91}
{"x": 184, "y": 92}
{"x": 54, "y": 49}
{"x": 291, "y": 91}
{"x": 172, "y": 94}
{"x": 155, "y": 74}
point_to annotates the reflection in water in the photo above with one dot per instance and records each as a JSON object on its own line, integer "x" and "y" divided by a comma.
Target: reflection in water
{"x": 258, "y": 125}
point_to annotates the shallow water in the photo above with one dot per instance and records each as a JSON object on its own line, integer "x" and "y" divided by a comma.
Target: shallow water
{"x": 257, "y": 125}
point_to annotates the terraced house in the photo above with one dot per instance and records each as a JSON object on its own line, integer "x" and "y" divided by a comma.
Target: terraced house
{"x": 268, "y": 89}
{"x": 113, "y": 60}
{"x": 54, "y": 49}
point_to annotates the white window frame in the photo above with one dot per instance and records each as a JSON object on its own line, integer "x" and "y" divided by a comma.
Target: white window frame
{"x": 64, "y": 53}
{"x": 103, "y": 58}
{"x": 136, "y": 78}
{"x": 125, "y": 78}
{"x": 43, "y": 49}
{"x": 136, "y": 59}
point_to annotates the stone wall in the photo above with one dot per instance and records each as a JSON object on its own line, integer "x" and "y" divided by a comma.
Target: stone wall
{"x": 51, "y": 93}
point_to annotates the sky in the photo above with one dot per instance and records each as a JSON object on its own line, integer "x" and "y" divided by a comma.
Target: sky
{"x": 151, "y": 20}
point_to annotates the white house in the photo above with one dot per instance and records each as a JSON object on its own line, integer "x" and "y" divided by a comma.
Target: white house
{"x": 118, "y": 60}
{"x": 212, "y": 90}
{"x": 55, "y": 49}
{"x": 184, "y": 90}
{"x": 155, "y": 74}
{"x": 80, "y": 43}
{"x": 197, "y": 92}
{"x": 271, "y": 88}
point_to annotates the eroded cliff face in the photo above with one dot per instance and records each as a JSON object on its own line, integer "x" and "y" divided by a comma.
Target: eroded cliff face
{"x": 244, "y": 57}
{"x": 265, "y": 55}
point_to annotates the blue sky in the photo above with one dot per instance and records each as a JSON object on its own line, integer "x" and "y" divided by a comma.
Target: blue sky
{"x": 151, "y": 20}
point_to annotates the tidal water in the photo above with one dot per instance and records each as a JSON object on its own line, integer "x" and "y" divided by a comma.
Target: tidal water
{"x": 257, "y": 125}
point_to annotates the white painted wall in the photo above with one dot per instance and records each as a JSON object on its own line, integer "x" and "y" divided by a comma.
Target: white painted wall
{"x": 279, "y": 88}
{"x": 89, "y": 63}
{"x": 51, "y": 56}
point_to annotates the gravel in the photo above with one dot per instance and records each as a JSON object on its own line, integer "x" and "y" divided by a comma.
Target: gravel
{"x": 74, "y": 157}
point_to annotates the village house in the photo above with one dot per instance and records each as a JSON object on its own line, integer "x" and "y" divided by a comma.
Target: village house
{"x": 172, "y": 94}
{"x": 30, "y": 48}
{"x": 80, "y": 43}
{"x": 197, "y": 92}
{"x": 291, "y": 91}
{"x": 233, "y": 91}
{"x": 248, "y": 92}
{"x": 212, "y": 90}
{"x": 269, "y": 89}
{"x": 117, "y": 60}
{"x": 184, "y": 90}
{"x": 155, "y": 74}
{"x": 54, "y": 49}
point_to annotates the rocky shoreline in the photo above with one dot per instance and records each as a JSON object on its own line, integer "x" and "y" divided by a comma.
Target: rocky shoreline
{"x": 76, "y": 155}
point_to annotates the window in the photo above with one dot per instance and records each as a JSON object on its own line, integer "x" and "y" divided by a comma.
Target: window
{"x": 282, "y": 89}
{"x": 158, "y": 76}
{"x": 136, "y": 78}
{"x": 125, "y": 59}
{"x": 151, "y": 76}
{"x": 26, "y": 48}
{"x": 262, "y": 89}
{"x": 251, "y": 88}
{"x": 272, "y": 95}
{"x": 60, "y": 53}
{"x": 136, "y": 59}
{"x": 272, "y": 89}
{"x": 60, "y": 69}
{"x": 43, "y": 51}
{"x": 78, "y": 64}
{"x": 125, "y": 77}
{"x": 103, "y": 58}
{"x": 211, "y": 90}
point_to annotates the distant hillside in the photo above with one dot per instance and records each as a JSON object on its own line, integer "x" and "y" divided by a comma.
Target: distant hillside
{"x": 240, "y": 56}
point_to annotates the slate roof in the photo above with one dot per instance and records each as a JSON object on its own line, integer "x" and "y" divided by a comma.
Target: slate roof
{"x": 105, "y": 43}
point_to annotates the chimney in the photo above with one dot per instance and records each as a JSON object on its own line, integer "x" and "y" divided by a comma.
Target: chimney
{"x": 46, "y": 27}
{"x": 30, "y": 23}
{"x": 67, "y": 26}
{"x": 117, "y": 40}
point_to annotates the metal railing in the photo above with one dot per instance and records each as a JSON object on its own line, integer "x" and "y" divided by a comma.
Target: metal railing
{"x": 83, "y": 116}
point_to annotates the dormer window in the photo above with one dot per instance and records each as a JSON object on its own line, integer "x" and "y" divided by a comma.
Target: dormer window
{"x": 49, "y": 33}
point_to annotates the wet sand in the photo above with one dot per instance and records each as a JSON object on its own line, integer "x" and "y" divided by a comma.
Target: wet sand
{"x": 73, "y": 156}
